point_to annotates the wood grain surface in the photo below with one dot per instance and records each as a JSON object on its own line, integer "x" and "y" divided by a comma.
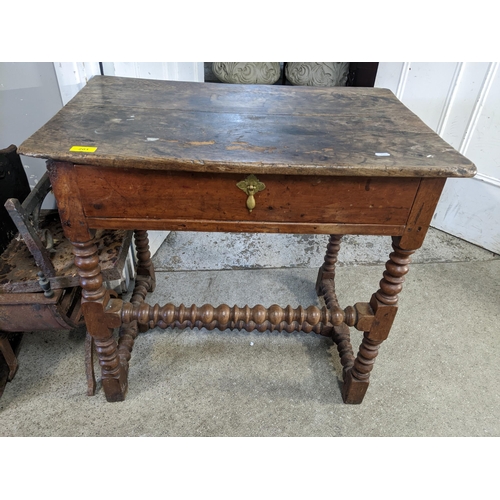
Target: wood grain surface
{"x": 209, "y": 127}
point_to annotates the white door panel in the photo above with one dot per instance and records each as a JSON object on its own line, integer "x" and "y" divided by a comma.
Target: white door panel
{"x": 461, "y": 102}
{"x": 73, "y": 76}
{"x": 427, "y": 90}
{"x": 469, "y": 208}
{"x": 459, "y": 115}
{"x": 391, "y": 76}
{"x": 483, "y": 146}
{"x": 181, "y": 71}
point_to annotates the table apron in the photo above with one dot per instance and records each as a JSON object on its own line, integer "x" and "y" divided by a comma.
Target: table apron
{"x": 127, "y": 198}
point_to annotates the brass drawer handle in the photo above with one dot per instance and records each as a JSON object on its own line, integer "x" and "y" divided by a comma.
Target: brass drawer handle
{"x": 250, "y": 186}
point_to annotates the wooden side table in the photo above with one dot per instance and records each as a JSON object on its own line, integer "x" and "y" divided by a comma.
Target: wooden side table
{"x": 139, "y": 154}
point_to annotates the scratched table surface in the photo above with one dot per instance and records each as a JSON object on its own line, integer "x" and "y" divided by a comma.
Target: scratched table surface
{"x": 210, "y": 127}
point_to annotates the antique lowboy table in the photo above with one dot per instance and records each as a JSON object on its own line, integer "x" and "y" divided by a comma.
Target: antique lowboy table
{"x": 142, "y": 154}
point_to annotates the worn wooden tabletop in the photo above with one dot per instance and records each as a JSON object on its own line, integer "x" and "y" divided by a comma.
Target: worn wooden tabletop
{"x": 210, "y": 127}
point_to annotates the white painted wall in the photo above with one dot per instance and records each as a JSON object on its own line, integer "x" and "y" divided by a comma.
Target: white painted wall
{"x": 73, "y": 76}
{"x": 461, "y": 102}
{"x": 181, "y": 71}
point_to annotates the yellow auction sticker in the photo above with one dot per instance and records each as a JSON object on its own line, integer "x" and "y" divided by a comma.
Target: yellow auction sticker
{"x": 83, "y": 149}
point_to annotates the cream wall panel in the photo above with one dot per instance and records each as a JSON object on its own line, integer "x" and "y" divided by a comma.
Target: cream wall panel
{"x": 461, "y": 107}
{"x": 182, "y": 71}
{"x": 461, "y": 102}
{"x": 427, "y": 90}
{"x": 390, "y": 76}
{"x": 73, "y": 76}
{"x": 483, "y": 144}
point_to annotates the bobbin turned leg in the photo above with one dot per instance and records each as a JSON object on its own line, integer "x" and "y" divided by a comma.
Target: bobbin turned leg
{"x": 384, "y": 304}
{"x": 144, "y": 263}
{"x": 145, "y": 280}
{"x": 96, "y": 305}
{"x": 144, "y": 283}
{"x": 325, "y": 287}
{"x": 327, "y": 270}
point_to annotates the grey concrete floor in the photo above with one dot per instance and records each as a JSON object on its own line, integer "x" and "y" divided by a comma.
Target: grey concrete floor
{"x": 436, "y": 375}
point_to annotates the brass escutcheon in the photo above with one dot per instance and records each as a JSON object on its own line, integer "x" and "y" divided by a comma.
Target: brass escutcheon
{"x": 250, "y": 186}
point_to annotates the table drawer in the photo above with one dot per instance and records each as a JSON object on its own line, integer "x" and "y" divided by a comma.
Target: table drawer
{"x": 118, "y": 194}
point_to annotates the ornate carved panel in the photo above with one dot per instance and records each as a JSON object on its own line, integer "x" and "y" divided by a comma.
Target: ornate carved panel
{"x": 247, "y": 72}
{"x": 317, "y": 74}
